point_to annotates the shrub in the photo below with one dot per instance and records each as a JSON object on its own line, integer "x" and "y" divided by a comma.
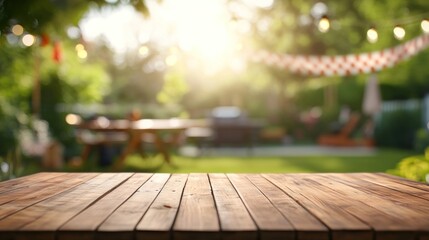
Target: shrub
{"x": 414, "y": 167}
{"x": 421, "y": 141}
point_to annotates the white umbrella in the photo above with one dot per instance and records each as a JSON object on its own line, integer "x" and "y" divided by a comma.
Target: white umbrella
{"x": 372, "y": 97}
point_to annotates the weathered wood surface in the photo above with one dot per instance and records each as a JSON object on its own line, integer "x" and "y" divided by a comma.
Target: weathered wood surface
{"x": 62, "y": 206}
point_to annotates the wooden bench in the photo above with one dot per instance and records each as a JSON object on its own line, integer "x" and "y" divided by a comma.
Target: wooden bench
{"x": 213, "y": 206}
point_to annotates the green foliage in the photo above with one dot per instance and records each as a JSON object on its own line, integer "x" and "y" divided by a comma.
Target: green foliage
{"x": 414, "y": 167}
{"x": 174, "y": 88}
{"x": 50, "y": 15}
{"x": 9, "y": 126}
{"x": 421, "y": 141}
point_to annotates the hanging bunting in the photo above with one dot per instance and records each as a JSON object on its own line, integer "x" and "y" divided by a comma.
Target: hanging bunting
{"x": 344, "y": 65}
{"x": 56, "y": 54}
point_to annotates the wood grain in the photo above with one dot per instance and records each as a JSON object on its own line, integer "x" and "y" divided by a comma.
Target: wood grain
{"x": 159, "y": 219}
{"x": 305, "y": 224}
{"x": 30, "y": 196}
{"x": 84, "y": 224}
{"x": 142, "y": 206}
{"x": 235, "y": 220}
{"x": 385, "y": 218}
{"x": 122, "y": 222}
{"x": 44, "y": 218}
{"x": 271, "y": 223}
{"x": 197, "y": 217}
{"x": 403, "y": 181}
{"x": 406, "y": 207}
{"x": 26, "y": 181}
{"x": 342, "y": 224}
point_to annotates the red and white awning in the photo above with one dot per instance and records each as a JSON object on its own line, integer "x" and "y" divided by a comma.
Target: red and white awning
{"x": 344, "y": 65}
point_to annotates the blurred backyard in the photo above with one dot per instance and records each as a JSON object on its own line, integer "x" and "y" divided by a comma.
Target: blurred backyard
{"x": 214, "y": 86}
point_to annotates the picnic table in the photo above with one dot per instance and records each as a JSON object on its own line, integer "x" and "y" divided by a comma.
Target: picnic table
{"x": 134, "y": 132}
{"x": 213, "y": 206}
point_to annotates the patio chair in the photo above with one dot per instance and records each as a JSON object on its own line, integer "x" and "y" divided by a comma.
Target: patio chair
{"x": 343, "y": 137}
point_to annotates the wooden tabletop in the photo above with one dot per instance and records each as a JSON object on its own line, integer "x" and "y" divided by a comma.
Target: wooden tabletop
{"x": 213, "y": 206}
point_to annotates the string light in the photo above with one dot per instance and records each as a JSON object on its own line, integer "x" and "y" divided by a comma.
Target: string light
{"x": 18, "y": 30}
{"x": 372, "y": 35}
{"x": 81, "y": 52}
{"x": 28, "y": 40}
{"x": 324, "y": 24}
{"x": 399, "y": 32}
{"x": 425, "y": 25}
{"x": 79, "y": 47}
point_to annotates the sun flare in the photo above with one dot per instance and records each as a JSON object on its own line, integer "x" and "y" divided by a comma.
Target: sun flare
{"x": 203, "y": 32}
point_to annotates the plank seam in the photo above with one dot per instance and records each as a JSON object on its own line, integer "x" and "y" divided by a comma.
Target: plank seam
{"x": 391, "y": 188}
{"x": 178, "y": 207}
{"x": 274, "y": 205}
{"x": 258, "y": 232}
{"x": 134, "y": 233}
{"x": 404, "y": 181}
{"x": 373, "y": 231}
{"x": 330, "y": 232}
{"x": 68, "y": 189}
{"x": 55, "y": 233}
{"x": 215, "y": 204}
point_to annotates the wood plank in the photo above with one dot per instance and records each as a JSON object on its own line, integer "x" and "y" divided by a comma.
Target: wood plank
{"x": 415, "y": 205}
{"x": 383, "y": 217}
{"x": 30, "y": 196}
{"x": 391, "y": 184}
{"x": 271, "y": 223}
{"x": 342, "y": 224}
{"x": 40, "y": 221}
{"x": 33, "y": 187}
{"x": 123, "y": 221}
{"x": 83, "y": 225}
{"x": 197, "y": 217}
{"x": 159, "y": 219}
{"x": 13, "y": 184}
{"x": 404, "y": 206}
{"x": 404, "y": 181}
{"x": 235, "y": 221}
{"x": 305, "y": 224}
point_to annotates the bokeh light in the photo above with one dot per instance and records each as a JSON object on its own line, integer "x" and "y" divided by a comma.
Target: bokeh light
{"x": 144, "y": 51}
{"x": 425, "y": 25}
{"x": 324, "y": 24}
{"x": 399, "y": 32}
{"x": 79, "y": 47}
{"x": 28, "y": 40}
{"x": 171, "y": 60}
{"x": 73, "y": 119}
{"x": 372, "y": 35}
{"x": 82, "y": 54}
{"x": 18, "y": 30}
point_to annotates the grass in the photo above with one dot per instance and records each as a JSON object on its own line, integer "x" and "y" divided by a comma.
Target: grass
{"x": 382, "y": 161}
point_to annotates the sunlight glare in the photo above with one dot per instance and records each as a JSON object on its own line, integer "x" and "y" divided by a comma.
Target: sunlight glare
{"x": 144, "y": 51}
{"x": 199, "y": 27}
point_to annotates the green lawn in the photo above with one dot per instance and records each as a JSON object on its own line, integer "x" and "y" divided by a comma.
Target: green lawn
{"x": 382, "y": 161}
